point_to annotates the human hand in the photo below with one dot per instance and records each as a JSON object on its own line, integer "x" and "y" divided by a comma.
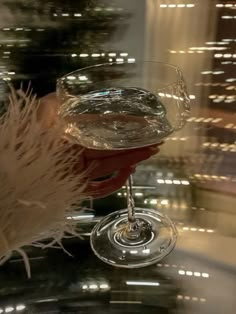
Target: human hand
{"x": 98, "y": 163}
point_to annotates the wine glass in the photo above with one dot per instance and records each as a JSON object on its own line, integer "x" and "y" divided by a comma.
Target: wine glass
{"x": 125, "y": 105}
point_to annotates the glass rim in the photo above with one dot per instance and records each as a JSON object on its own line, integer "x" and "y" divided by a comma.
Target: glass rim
{"x": 177, "y": 69}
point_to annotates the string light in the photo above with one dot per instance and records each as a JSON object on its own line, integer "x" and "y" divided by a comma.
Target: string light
{"x": 231, "y": 79}
{"x": 207, "y": 177}
{"x": 166, "y": 265}
{"x": 176, "y": 139}
{"x": 215, "y": 96}
{"x": 104, "y": 286}
{"x": 20, "y": 307}
{"x": 174, "y": 96}
{"x": 93, "y": 287}
{"x": 167, "y": 204}
{"x": 183, "y": 272}
{"x": 220, "y": 146}
{"x": 228, "y": 17}
{"x": 186, "y": 51}
{"x": 83, "y": 78}
{"x": 226, "y": 5}
{"x": 197, "y": 229}
{"x": 212, "y": 72}
{"x": 217, "y": 43}
{"x": 71, "y": 77}
{"x": 195, "y": 274}
{"x": 111, "y": 54}
{"x": 139, "y": 194}
{"x": 166, "y": 95}
{"x": 176, "y": 182}
{"x": 152, "y": 202}
{"x": 231, "y": 87}
{"x": 164, "y": 202}
{"x": 142, "y": 283}
{"x": 120, "y": 60}
{"x": 208, "y": 48}
{"x": 131, "y": 60}
{"x": 188, "y": 298}
{"x": 172, "y": 6}
{"x": 225, "y": 55}
{"x": 9, "y": 309}
{"x": 229, "y": 126}
{"x": 229, "y": 39}
{"x": 168, "y": 181}
{"x": 198, "y": 208}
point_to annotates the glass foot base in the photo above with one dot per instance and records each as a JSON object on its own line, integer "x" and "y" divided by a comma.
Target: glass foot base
{"x": 131, "y": 245}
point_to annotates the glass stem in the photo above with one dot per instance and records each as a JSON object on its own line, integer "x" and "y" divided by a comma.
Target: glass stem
{"x": 130, "y": 200}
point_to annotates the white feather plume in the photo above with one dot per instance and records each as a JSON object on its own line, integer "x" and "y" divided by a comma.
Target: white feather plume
{"x": 38, "y": 184}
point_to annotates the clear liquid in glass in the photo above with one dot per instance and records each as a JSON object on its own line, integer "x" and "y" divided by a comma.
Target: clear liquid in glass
{"x": 113, "y": 118}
